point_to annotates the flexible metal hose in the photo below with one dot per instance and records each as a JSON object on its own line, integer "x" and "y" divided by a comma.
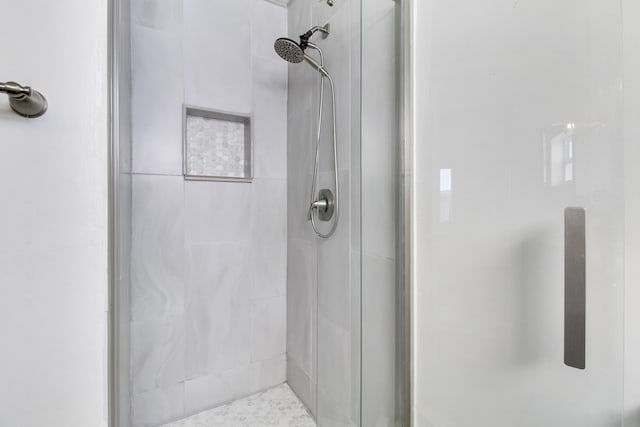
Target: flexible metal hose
{"x": 314, "y": 184}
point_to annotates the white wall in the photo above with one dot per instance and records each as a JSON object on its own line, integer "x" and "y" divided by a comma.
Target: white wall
{"x": 53, "y": 221}
{"x": 208, "y": 258}
{"x": 499, "y": 86}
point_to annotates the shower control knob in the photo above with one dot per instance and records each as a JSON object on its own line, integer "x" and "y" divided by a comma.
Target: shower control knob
{"x": 325, "y": 205}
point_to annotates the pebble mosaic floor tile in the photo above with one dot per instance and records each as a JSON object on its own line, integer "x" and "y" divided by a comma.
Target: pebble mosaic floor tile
{"x": 276, "y": 407}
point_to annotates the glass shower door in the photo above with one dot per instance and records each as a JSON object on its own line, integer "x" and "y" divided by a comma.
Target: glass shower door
{"x": 360, "y": 332}
{"x": 337, "y": 326}
{"x": 519, "y": 214}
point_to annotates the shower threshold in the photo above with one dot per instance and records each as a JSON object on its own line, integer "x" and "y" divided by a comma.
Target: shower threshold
{"x": 278, "y": 406}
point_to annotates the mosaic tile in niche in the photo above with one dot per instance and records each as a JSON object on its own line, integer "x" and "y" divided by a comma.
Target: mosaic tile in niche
{"x": 215, "y": 148}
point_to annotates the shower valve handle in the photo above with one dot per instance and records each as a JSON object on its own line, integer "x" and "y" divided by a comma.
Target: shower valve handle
{"x": 325, "y": 205}
{"x": 319, "y": 205}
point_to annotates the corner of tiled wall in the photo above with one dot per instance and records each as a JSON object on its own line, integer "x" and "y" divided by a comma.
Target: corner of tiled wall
{"x": 323, "y": 291}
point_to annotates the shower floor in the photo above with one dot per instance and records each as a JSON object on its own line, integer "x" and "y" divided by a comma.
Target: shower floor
{"x": 278, "y": 406}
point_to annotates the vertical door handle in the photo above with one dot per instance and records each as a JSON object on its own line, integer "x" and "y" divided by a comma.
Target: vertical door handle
{"x": 575, "y": 294}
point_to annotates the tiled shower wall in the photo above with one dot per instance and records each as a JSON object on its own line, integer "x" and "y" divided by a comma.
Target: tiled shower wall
{"x": 208, "y": 298}
{"x": 301, "y": 266}
{"x": 323, "y": 334}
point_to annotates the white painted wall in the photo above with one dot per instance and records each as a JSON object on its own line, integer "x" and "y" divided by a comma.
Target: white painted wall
{"x": 53, "y": 220}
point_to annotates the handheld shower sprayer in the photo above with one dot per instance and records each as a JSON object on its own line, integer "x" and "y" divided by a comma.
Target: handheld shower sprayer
{"x": 325, "y": 204}
{"x": 294, "y": 52}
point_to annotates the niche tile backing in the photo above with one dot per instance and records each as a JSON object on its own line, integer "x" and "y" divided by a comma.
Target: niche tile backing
{"x": 217, "y": 145}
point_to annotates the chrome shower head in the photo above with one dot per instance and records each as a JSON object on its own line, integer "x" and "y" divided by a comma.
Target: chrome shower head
{"x": 289, "y": 50}
{"x": 293, "y": 52}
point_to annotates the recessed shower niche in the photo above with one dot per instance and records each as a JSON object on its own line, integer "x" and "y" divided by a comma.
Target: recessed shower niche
{"x": 217, "y": 145}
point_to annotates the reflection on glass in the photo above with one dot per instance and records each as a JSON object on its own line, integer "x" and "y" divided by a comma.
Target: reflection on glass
{"x": 446, "y": 188}
{"x": 558, "y": 153}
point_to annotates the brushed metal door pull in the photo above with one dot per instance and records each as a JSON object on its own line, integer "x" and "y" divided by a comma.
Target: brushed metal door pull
{"x": 575, "y": 287}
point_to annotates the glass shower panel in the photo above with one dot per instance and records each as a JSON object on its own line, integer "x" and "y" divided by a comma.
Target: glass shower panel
{"x": 338, "y": 257}
{"x": 382, "y": 277}
{"x": 518, "y": 117}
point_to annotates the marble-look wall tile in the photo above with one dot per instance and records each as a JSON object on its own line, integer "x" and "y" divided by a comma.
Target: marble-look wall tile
{"x": 209, "y": 258}
{"x": 163, "y": 15}
{"x": 337, "y": 51}
{"x": 380, "y": 157}
{"x": 300, "y": 170}
{"x": 268, "y": 373}
{"x": 268, "y": 22}
{"x": 217, "y": 211}
{"x": 332, "y": 413}
{"x": 334, "y": 274}
{"x": 337, "y": 365}
{"x": 301, "y": 301}
{"x": 334, "y": 364}
{"x": 157, "y": 353}
{"x": 301, "y": 384}
{"x": 217, "y": 54}
{"x": 269, "y": 244}
{"x": 268, "y": 328}
{"x": 333, "y": 260}
{"x": 157, "y": 252}
{"x": 157, "y": 407}
{"x": 322, "y": 14}
{"x": 299, "y": 200}
{"x": 299, "y": 18}
{"x": 156, "y": 99}
{"x": 270, "y": 117}
{"x": 380, "y": 180}
{"x": 300, "y": 81}
{"x": 301, "y": 267}
{"x": 218, "y": 308}
{"x": 373, "y": 11}
{"x": 209, "y": 391}
{"x": 355, "y": 334}
{"x": 378, "y": 340}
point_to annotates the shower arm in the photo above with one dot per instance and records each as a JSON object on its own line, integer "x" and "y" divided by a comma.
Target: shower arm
{"x": 304, "y": 38}
{"x": 324, "y": 30}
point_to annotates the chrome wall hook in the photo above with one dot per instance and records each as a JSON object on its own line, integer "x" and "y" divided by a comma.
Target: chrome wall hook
{"x": 24, "y": 100}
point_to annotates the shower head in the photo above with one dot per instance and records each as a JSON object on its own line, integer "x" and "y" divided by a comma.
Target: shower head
{"x": 289, "y": 50}
{"x": 293, "y": 52}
